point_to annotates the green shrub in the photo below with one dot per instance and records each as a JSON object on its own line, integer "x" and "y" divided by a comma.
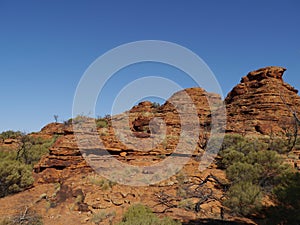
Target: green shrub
{"x": 230, "y": 156}
{"x": 10, "y": 134}
{"x": 242, "y": 172}
{"x": 186, "y": 204}
{"x": 105, "y": 184}
{"x": 279, "y": 145}
{"x": 232, "y": 140}
{"x": 287, "y": 197}
{"x": 99, "y": 217}
{"x": 32, "y": 149}
{"x": 253, "y": 170}
{"x": 79, "y": 119}
{"x": 244, "y": 198}
{"x": 155, "y": 105}
{"x": 102, "y": 215}
{"x": 142, "y": 215}
{"x": 16, "y": 166}
{"x": 14, "y": 177}
{"x": 101, "y": 123}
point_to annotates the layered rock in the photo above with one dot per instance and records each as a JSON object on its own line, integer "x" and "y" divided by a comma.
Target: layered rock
{"x": 187, "y": 101}
{"x": 140, "y": 121}
{"x": 140, "y": 117}
{"x": 191, "y": 107}
{"x": 64, "y": 158}
{"x": 262, "y": 103}
{"x": 50, "y": 130}
{"x": 203, "y": 102}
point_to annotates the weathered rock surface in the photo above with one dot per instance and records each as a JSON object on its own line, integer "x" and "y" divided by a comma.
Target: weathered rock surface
{"x": 135, "y": 144}
{"x": 262, "y": 103}
{"x": 63, "y": 159}
{"x": 200, "y": 101}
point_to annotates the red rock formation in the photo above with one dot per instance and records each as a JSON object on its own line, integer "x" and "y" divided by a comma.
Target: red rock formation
{"x": 64, "y": 157}
{"x": 203, "y": 101}
{"x": 262, "y": 103}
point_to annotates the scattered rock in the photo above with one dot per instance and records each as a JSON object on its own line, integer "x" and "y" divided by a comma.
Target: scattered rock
{"x": 123, "y": 154}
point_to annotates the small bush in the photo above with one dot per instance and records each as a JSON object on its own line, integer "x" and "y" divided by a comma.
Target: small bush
{"x": 244, "y": 198}
{"x": 287, "y": 197}
{"x": 105, "y": 184}
{"x": 14, "y": 177}
{"x": 98, "y": 217}
{"x": 253, "y": 170}
{"x": 79, "y": 119}
{"x": 10, "y": 134}
{"x": 142, "y": 215}
{"x": 155, "y": 105}
{"x": 16, "y": 166}
{"x": 101, "y": 216}
{"x": 242, "y": 172}
{"x": 186, "y": 204}
{"x": 32, "y": 149}
{"x": 101, "y": 123}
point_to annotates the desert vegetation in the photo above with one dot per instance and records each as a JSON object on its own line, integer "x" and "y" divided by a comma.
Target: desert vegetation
{"x": 16, "y": 165}
{"x": 140, "y": 214}
{"x": 10, "y": 134}
{"x": 257, "y": 174}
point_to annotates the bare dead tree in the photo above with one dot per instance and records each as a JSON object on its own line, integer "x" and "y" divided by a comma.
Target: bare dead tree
{"x": 24, "y": 146}
{"x": 205, "y": 194}
{"x": 296, "y": 118}
{"x": 166, "y": 200}
{"x": 28, "y": 216}
{"x": 55, "y": 118}
{"x": 199, "y": 191}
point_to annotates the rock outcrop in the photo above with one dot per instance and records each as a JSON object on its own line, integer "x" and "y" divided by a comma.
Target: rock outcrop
{"x": 65, "y": 156}
{"x": 203, "y": 102}
{"x": 63, "y": 159}
{"x": 262, "y": 103}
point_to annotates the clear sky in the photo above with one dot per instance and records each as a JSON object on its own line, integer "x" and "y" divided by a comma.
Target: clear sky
{"x": 46, "y": 46}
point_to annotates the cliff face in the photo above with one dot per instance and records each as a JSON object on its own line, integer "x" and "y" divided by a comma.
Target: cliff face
{"x": 63, "y": 160}
{"x": 262, "y": 103}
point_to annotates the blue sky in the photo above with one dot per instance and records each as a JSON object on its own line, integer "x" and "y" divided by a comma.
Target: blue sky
{"x": 46, "y": 46}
